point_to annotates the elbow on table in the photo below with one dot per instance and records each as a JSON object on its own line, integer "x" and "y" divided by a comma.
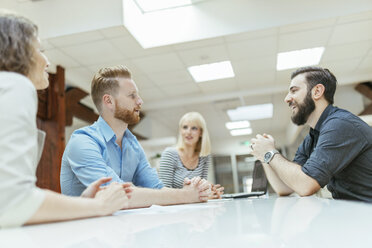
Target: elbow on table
{"x": 308, "y": 187}
{"x": 283, "y": 192}
{"x": 307, "y": 191}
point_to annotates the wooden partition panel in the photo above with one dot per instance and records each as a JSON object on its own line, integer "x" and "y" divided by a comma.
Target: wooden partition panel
{"x": 366, "y": 90}
{"x": 51, "y": 119}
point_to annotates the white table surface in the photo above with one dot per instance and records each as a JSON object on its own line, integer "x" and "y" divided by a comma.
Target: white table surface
{"x": 260, "y": 222}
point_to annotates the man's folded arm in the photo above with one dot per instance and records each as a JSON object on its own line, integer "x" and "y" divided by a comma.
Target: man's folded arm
{"x": 292, "y": 175}
{"x": 86, "y": 161}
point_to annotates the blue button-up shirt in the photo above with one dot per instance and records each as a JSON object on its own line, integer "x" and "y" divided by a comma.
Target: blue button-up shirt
{"x": 92, "y": 153}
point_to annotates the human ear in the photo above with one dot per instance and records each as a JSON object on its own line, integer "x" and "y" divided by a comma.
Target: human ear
{"x": 108, "y": 101}
{"x": 318, "y": 91}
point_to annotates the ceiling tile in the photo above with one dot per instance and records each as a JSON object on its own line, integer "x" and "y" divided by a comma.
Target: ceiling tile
{"x": 255, "y": 73}
{"x": 370, "y": 53}
{"x": 114, "y": 32}
{"x": 253, "y": 80}
{"x": 254, "y": 100}
{"x": 356, "y": 17}
{"x": 170, "y": 78}
{"x": 132, "y": 49}
{"x": 225, "y": 104}
{"x": 162, "y": 76}
{"x": 93, "y": 53}
{"x": 218, "y": 86}
{"x": 299, "y": 27}
{"x": 159, "y": 63}
{"x": 151, "y": 94}
{"x": 57, "y": 57}
{"x": 126, "y": 62}
{"x": 143, "y": 82}
{"x": 346, "y": 94}
{"x": 341, "y": 67}
{"x": 46, "y": 45}
{"x": 199, "y": 43}
{"x": 347, "y": 51}
{"x": 352, "y": 32}
{"x": 247, "y": 66}
{"x": 252, "y": 35}
{"x": 169, "y": 117}
{"x": 79, "y": 77}
{"x": 205, "y": 55}
{"x": 251, "y": 49}
{"x": 365, "y": 66}
{"x": 75, "y": 39}
{"x": 303, "y": 40}
{"x": 284, "y": 77}
{"x": 186, "y": 88}
{"x": 206, "y": 109}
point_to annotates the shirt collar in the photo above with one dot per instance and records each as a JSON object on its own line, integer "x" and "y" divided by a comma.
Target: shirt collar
{"x": 106, "y": 130}
{"x": 108, "y": 133}
{"x": 323, "y": 117}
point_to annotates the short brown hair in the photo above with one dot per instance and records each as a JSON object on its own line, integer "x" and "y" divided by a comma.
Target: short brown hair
{"x": 17, "y": 37}
{"x": 105, "y": 81}
{"x": 317, "y": 75}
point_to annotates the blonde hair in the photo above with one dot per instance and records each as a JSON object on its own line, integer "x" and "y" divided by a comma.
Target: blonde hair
{"x": 203, "y": 147}
{"x": 105, "y": 81}
{"x": 17, "y": 37}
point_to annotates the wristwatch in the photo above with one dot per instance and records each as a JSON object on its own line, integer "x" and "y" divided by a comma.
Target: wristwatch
{"x": 269, "y": 156}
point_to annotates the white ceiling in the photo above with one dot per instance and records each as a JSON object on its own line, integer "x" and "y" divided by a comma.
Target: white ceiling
{"x": 169, "y": 91}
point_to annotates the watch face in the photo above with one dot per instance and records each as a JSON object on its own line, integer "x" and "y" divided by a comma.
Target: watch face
{"x": 267, "y": 156}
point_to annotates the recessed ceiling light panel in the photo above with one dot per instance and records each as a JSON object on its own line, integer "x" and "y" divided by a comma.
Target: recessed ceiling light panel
{"x": 299, "y": 58}
{"x": 214, "y": 71}
{"x": 253, "y": 112}
{"x": 237, "y": 124}
{"x": 152, "y": 5}
{"x": 240, "y": 132}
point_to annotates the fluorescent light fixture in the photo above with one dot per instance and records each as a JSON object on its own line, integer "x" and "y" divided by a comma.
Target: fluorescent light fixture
{"x": 239, "y": 132}
{"x": 253, "y": 112}
{"x": 299, "y": 58}
{"x": 208, "y": 72}
{"x": 152, "y": 5}
{"x": 237, "y": 124}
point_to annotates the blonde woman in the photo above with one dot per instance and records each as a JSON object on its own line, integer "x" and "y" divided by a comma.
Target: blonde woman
{"x": 23, "y": 71}
{"x": 191, "y": 157}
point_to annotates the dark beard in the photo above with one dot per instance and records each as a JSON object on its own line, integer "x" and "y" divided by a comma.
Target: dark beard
{"x": 304, "y": 110}
{"x": 129, "y": 117}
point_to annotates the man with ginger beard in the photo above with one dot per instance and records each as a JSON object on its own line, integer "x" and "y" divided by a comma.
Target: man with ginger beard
{"x": 108, "y": 148}
{"x": 337, "y": 152}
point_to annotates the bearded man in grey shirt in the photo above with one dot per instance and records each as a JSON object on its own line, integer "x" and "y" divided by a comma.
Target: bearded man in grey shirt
{"x": 337, "y": 152}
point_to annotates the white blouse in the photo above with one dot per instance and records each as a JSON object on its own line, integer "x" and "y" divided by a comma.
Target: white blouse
{"x": 19, "y": 196}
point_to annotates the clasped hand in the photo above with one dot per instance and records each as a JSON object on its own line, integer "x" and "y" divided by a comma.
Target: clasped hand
{"x": 203, "y": 186}
{"x": 261, "y": 145}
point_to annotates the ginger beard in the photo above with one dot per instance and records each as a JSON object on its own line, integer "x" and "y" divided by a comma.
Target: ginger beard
{"x": 127, "y": 116}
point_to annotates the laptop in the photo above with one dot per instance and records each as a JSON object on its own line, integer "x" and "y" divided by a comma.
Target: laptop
{"x": 259, "y": 184}
{"x": 242, "y": 195}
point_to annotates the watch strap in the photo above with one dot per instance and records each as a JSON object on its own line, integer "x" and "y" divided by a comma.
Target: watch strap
{"x": 272, "y": 154}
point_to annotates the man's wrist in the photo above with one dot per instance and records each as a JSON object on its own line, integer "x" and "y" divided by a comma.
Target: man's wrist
{"x": 268, "y": 157}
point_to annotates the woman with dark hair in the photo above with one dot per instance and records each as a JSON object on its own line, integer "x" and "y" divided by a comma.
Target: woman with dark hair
{"x": 22, "y": 72}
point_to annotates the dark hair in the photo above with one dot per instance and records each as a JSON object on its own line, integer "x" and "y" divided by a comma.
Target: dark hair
{"x": 317, "y": 75}
{"x": 17, "y": 36}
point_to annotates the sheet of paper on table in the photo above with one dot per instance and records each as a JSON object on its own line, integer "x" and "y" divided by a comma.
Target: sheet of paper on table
{"x": 156, "y": 209}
